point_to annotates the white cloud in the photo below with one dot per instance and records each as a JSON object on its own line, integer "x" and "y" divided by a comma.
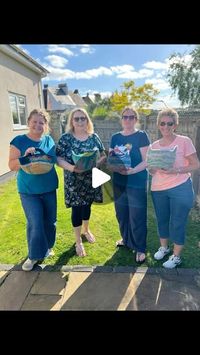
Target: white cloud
{"x": 119, "y": 69}
{"x": 94, "y": 73}
{"x": 127, "y": 71}
{"x": 105, "y": 94}
{"x": 166, "y": 100}
{"x": 86, "y": 48}
{"x": 159, "y": 84}
{"x": 142, "y": 73}
{"x": 54, "y": 48}
{"x": 61, "y": 74}
{"x": 123, "y": 71}
{"x": 56, "y": 61}
{"x": 155, "y": 65}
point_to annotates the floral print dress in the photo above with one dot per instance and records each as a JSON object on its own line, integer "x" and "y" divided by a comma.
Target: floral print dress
{"x": 78, "y": 187}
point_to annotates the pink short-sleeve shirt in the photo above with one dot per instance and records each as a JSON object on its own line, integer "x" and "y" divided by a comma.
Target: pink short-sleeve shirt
{"x": 185, "y": 147}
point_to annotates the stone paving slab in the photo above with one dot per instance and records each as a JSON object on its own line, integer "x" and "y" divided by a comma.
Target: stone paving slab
{"x": 157, "y": 293}
{"x": 42, "y": 303}
{"x": 100, "y": 291}
{"x": 15, "y": 289}
{"x": 130, "y": 291}
{"x": 50, "y": 284}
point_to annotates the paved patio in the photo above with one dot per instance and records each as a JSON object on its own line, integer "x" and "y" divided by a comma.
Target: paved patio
{"x": 98, "y": 288}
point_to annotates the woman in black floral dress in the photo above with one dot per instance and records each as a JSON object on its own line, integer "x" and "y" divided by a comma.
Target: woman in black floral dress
{"x": 79, "y": 193}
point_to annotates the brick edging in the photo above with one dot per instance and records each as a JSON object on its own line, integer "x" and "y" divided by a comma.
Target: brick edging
{"x": 104, "y": 269}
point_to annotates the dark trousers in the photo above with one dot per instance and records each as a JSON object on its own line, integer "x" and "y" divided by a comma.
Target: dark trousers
{"x": 131, "y": 213}
{"x": 40, "y": 211}
{"x": 79, "y": 214}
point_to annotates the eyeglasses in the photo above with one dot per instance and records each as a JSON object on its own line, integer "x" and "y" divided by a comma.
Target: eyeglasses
{"x": 169, "y": 124}
{"x": 131, "y": 117}
{"x": 82, "y": 119}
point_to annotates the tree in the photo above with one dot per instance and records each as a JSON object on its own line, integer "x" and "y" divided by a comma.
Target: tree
{"x": 119, "y": 101}
{"x": 100, "y": 108}
{"x": 184, "y": 77}
{"x": 140, "y": 97}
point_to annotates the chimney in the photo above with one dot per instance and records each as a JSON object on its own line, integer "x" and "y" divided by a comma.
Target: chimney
{"x": 97, "y": 97}
{"x": 64, "y": 88}
{"x": 45, "y": 95}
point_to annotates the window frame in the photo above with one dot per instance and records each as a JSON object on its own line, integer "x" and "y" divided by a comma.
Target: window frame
{"x": 17, "y": 97}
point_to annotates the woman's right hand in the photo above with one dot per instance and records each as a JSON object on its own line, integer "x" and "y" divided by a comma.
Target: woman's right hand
{"x": 30, "y": 150}
{"x": 78, "y": 171}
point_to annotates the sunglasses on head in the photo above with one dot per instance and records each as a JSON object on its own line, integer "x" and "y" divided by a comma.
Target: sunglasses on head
{"x": 169, "y": 124}
{"x": 82, "y": 119}
{"x": 131, "y": 117}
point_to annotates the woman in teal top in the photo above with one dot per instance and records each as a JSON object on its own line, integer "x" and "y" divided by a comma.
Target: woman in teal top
{"x": 37, "y": 191}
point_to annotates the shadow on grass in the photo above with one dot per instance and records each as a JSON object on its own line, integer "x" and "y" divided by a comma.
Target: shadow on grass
{"x": 123, "y": 256}
{"x": 66, "y": 256}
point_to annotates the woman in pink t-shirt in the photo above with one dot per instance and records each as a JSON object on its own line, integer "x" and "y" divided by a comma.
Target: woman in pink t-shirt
{"x": 172, "y": 190}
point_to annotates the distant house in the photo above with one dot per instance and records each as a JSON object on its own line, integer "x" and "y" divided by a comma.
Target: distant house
{"x": 78, "y": 100}
{"x": 88, "y": 99}
{"x": 58, "y": 99}
{"x": 20, "y": 92}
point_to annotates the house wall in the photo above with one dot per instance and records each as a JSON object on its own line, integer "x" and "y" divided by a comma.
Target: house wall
{"x": 16, "y": 78}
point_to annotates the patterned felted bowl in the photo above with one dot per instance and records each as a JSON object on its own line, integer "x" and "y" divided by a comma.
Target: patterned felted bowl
{"x": 37, "y": 163}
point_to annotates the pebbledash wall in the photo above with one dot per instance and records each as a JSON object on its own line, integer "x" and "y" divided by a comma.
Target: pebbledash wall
{"x": 189, "y": 125}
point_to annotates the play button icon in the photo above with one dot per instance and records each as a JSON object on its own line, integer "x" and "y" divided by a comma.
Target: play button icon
{"x": 99, "y": 177}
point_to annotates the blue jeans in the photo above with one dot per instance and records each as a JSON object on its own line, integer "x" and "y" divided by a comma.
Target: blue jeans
{"x": 40, "y": 211}
{"x": 131, "y": 213}
{"x": 172, "y": 207}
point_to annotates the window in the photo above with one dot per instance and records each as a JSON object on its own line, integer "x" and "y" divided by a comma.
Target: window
{"x": 18, "y": 109}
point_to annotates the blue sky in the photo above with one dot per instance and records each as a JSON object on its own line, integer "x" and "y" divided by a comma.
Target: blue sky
{"x": 104, "y": 68}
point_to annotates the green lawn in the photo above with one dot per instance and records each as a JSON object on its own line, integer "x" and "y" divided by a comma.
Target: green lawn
{"x": 13, "y": 246}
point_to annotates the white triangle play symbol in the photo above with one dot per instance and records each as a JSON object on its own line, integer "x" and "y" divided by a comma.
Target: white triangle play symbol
{"x": 99, "y": 178}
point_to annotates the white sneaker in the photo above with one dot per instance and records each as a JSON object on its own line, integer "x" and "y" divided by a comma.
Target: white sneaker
{"x": 49, "y": 252}
{"x": 162, "y": 251}
{"x": 172, "y": 262}
{"x": 28, "y": 265}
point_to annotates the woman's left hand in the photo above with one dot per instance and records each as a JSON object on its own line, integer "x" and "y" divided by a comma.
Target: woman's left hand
{"x": 101, "y": 161}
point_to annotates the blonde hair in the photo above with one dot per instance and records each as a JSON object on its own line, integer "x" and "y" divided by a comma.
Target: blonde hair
{"x": 43, "y": 114}
{"x": 168, "y": 112}
{"x": 132, "y": 109}
{"x": 70, "y": 127}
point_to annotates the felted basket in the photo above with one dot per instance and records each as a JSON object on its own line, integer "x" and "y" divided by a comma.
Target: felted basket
{"x": 37, "y": 163}
{"x": 85, "y": 161}
{"x": 161, "y": 158}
